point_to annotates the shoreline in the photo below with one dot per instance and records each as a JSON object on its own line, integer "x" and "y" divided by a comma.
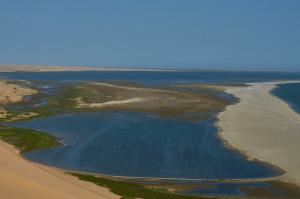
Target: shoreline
{"x": 255, "y": 124}
{"x": 27, "y": 179}
{"x": 66, "y": 184}
{"x": 288, "y": 103}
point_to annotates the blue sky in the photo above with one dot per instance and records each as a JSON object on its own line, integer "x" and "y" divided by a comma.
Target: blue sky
{"x": 158, "y": 33}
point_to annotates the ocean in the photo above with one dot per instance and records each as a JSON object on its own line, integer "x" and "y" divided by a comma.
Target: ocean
{"x": 165, "y": 77}
{"x": 290, "y": 93}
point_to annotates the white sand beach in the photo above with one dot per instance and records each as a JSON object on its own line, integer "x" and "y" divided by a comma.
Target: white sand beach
{"x": 263, "y": 127}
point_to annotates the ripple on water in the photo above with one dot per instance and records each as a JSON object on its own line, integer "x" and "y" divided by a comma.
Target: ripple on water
{"x": 139, "y": 144}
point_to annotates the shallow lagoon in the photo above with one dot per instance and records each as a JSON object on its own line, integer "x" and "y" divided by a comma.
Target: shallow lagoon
{"x": 142, "y": 145}
{"x": 139, "y": 144}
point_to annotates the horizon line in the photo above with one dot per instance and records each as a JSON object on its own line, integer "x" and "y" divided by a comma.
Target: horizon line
{"x": 49, "y": 68}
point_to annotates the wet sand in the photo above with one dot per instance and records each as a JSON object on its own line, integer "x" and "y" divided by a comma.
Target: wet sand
{"x": 263, "y": 127}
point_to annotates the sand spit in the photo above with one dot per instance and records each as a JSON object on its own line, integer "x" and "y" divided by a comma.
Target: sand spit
{"x": 218, "y": 87}
{"x": 264, "y": 127}
{"x": 21, "y": 179}
{"x": 134, "y": 88}
{"x": 81, "y": 104}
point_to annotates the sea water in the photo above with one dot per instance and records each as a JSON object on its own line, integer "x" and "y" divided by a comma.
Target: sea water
{"x": 157, "y": 77}
{"x": 290, "y": 93}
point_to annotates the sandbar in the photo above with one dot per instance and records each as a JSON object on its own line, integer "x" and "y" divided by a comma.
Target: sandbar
{"x": 263, "y": 127}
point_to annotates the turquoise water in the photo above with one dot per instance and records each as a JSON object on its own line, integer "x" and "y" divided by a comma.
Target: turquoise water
{"x": 290, "y": 93}
{"x": 142, "y": 145}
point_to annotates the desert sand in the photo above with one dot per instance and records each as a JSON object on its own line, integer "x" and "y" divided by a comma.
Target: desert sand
{"x": 21, "y": 179}
{"x": 263, "y": 127}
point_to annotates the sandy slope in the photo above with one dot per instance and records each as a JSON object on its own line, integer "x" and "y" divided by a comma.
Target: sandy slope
{"x": 26, "y": 180}
{"x": 12, "y": 93}
{"x": 264, "y": 127}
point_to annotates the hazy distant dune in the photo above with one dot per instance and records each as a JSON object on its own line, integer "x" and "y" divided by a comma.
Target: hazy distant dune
{"x": 45, "y": 68}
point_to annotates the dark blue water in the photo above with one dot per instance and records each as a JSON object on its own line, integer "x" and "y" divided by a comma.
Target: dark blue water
{"x": 138, "y": 144}
{"x": 289, "y": 93}
{"x": 158, "y": 77}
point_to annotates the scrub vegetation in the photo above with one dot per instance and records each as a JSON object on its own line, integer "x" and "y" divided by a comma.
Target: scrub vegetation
{"x": 194, "y": 104}
{"x": 27, "y": 139}
{"x": 129, "y": 190}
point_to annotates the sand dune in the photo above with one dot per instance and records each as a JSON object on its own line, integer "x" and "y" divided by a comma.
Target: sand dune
{"x": 264, "y": 127}
{"x": 12, "y": 93}
{"x": 21, "y": 179}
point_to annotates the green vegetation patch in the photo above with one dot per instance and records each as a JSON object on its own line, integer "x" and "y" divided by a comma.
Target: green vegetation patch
{"x": 64, "y": 98}
{"x": 132, "y": 190}
{"x": 80, "y": 96}
{"x": 27, "y": 139}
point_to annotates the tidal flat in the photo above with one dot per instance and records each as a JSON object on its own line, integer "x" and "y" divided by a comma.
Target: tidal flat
{"x": 111, "y": 96}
